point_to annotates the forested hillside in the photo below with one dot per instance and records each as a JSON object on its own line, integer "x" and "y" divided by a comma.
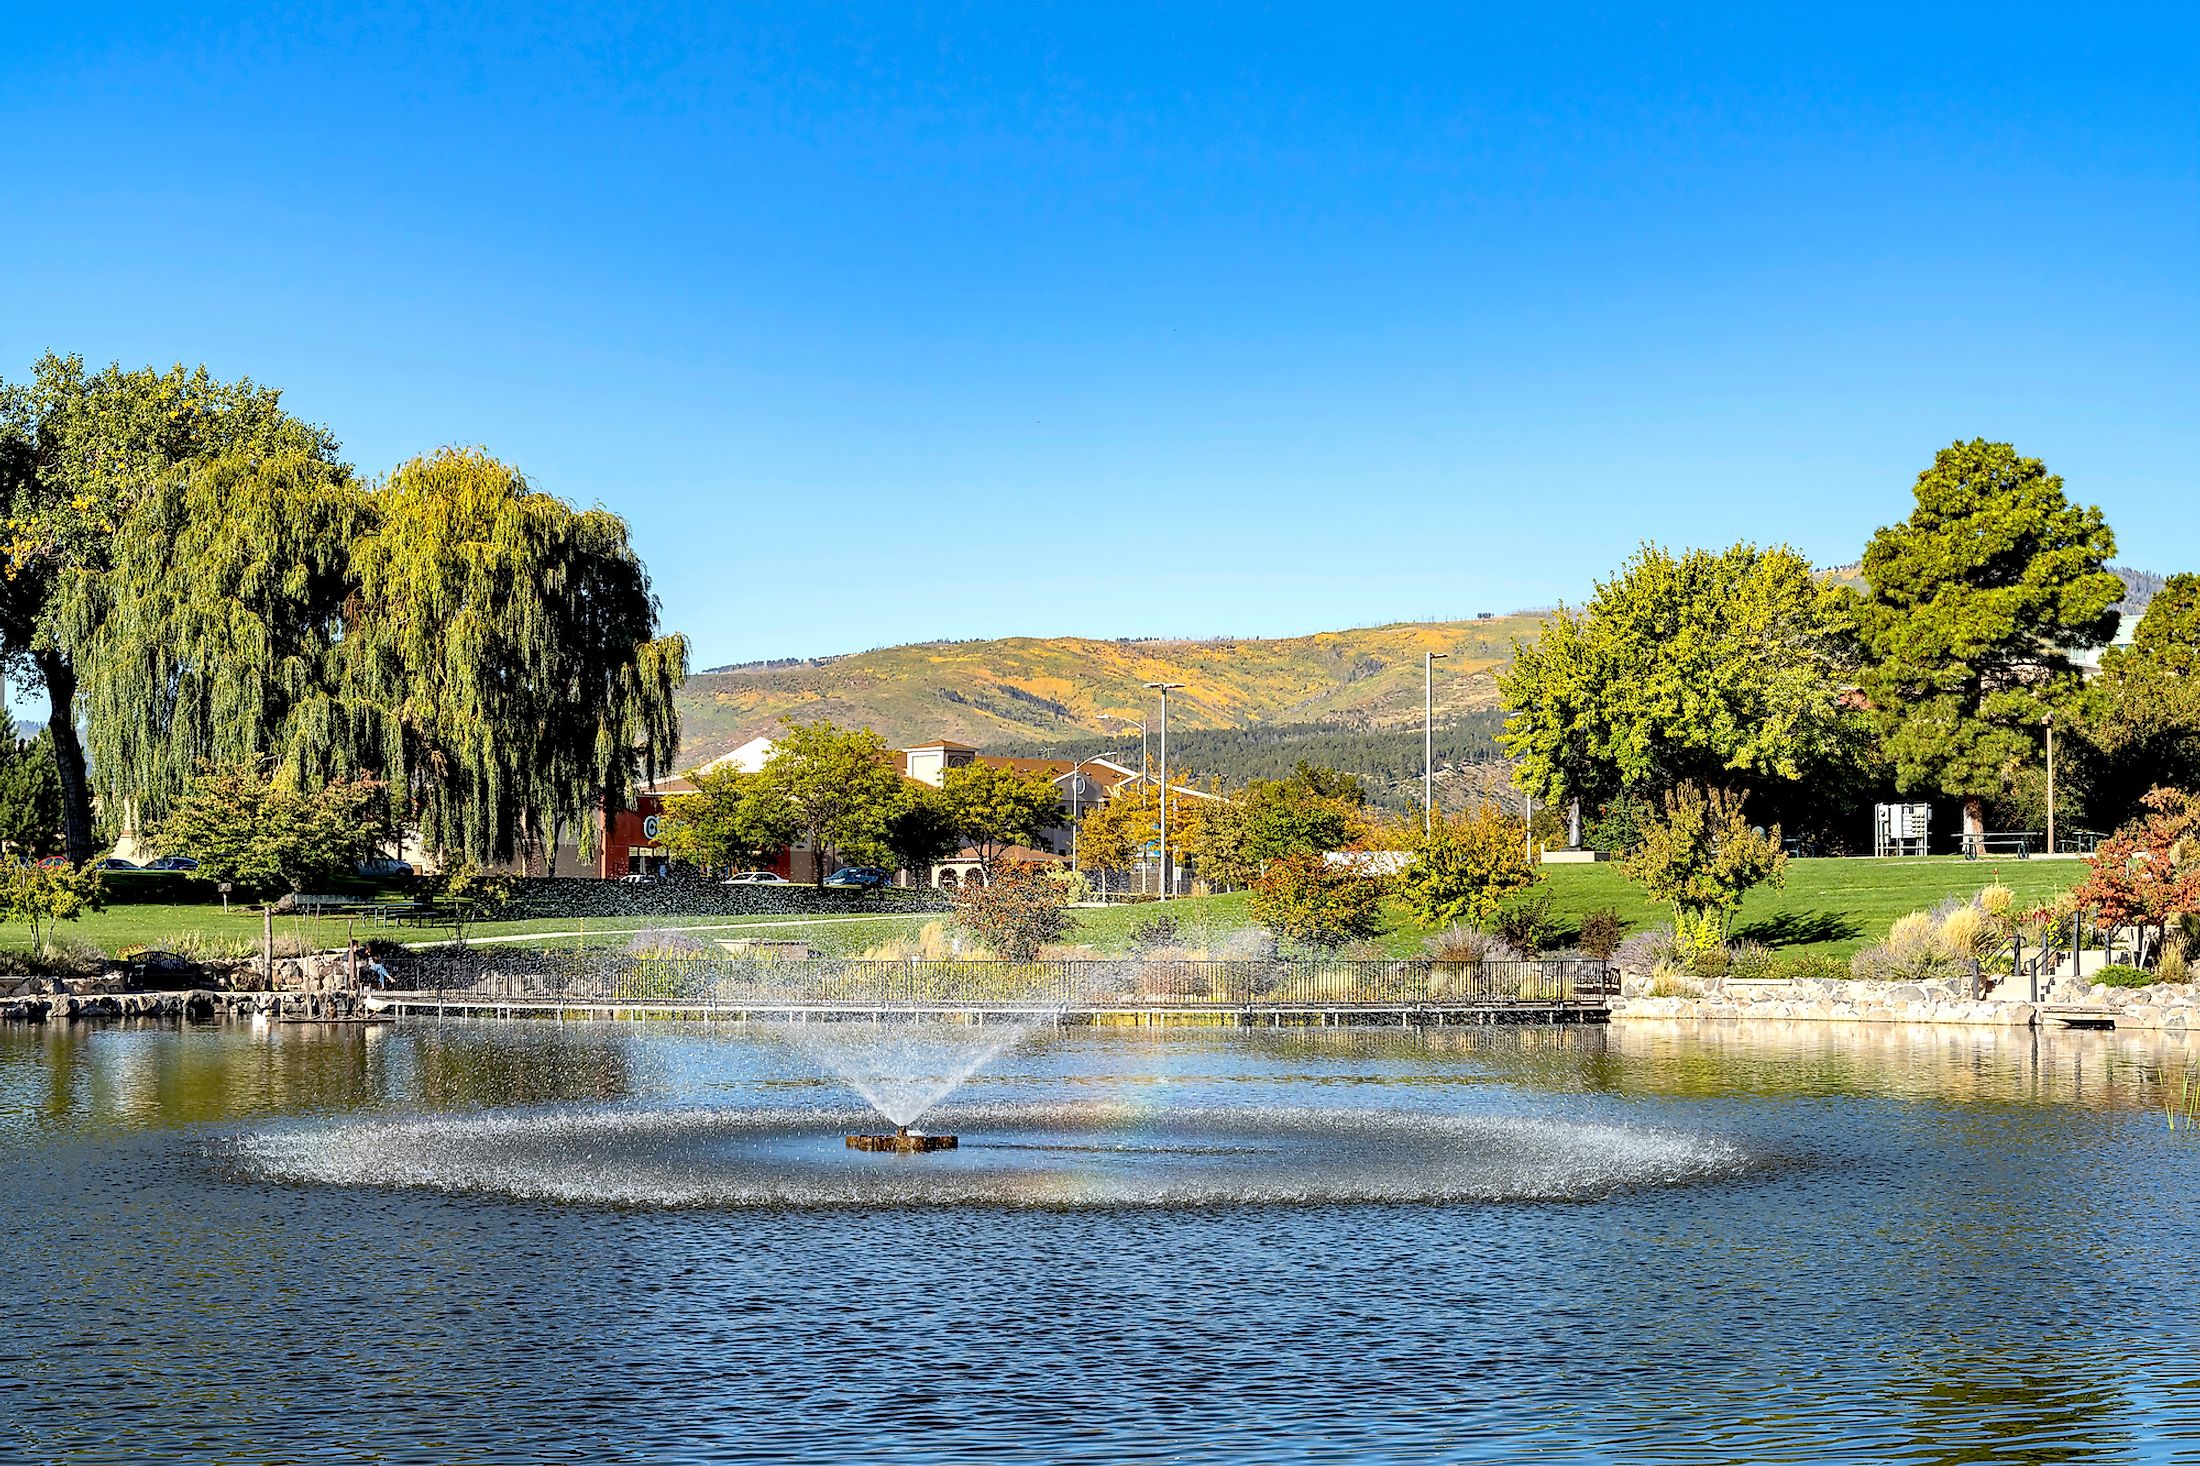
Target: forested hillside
{"x": 1387, "y": 760}
{"x": 1034, "y": 690}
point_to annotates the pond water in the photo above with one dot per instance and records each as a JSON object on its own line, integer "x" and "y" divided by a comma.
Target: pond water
{"x": 531, "y": 1241}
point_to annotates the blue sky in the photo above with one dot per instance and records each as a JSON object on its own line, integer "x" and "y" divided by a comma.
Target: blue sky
{"x": 893, "y": 322}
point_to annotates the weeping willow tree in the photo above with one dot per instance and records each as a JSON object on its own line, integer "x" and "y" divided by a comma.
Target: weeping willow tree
{"x": 501, "y": 646}
{"x": 80, "y": 451}
{"x": 213, "y": 636}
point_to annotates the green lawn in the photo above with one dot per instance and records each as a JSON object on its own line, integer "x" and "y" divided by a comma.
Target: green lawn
{"x": 1831, "y": 907}
{"x": 1827, "y": 906}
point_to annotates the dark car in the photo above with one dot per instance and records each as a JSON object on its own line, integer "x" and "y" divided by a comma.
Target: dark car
{"x": 116, "y": 862}
{"x": 173, "y": 862}
{"x": 857, "y": 878}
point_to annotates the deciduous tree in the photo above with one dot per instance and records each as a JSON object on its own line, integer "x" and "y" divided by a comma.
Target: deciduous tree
{"x": 1724, "y": 668}
{"x": 2147, "y": 873}
{"x": 836, "y": 788}
{"x": 263, "y": 835}
{"x": 994, "y": 807}
{"x": 1114, "y": 836}
{"x": 1310, "y": 813}
{"x": 716, "y": 828}
{"x": 1699, "y": 855}
{"x": 213, "y": 635}
{"x": 468, "y": 893}
{"x": 2141, "y": 718}
{"x": 921, "y": 833}
{"x": 40, "y": 895}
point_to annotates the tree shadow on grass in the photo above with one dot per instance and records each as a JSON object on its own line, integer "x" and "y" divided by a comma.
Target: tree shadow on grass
{"x": 1792, "y": 929}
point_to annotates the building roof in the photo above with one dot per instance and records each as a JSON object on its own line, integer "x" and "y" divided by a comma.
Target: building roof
{"x": 947, "y": 743}
{"x": 1008, "y": 855}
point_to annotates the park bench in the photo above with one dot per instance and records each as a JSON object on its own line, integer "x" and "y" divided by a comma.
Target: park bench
{"x": 1999, "y": 842}
{"x": 306, "y": 905}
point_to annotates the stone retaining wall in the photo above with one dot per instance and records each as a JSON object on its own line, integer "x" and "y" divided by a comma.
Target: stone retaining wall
{"x": 2163, "y": 1005}
{"x": 198, "y": 1004}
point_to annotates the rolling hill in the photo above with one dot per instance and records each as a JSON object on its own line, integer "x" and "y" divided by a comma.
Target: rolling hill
{"x": 1023, "y": 690}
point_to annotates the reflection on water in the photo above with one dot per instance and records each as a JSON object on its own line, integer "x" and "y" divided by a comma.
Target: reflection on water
{"x": 1940, "y": 1245}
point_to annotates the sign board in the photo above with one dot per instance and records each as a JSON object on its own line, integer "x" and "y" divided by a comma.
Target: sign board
{"x": 649, "y": 827}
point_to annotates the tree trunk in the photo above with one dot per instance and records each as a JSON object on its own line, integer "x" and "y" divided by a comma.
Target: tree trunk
{"x": 1974, "y": 815}
{"x": 68, "y": 754}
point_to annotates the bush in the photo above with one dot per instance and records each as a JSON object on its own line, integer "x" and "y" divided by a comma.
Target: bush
{"x": 1526, "y": 925}
{"x": 1645, "y": 952}
{"x": 1019, "y": 912}
{"x": 1616, "y": 829}
{"x": 1304, "y": 898}
{"x": 1750, "y": 962}
{"x": 1149, "y": 932}
{"x": 1927, "y": 946}
{"x": 1465, "y": 865}
{"x": 1601, "y": 931}
{"x": 1456, "y": 943}
{"x": 1819, "y": 966}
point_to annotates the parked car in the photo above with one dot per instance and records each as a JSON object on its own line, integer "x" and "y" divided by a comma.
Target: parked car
{"x": 755, "y": 878}
{"x": 384, "y": 868}
{"x": 54, "y": 862}
{"x": 857, "y": 878}
{"x": 173, "y": 862}
{"x": 116, "y": 862}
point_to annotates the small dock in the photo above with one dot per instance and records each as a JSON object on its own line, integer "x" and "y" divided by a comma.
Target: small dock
{"x": 2077, "y": 1015}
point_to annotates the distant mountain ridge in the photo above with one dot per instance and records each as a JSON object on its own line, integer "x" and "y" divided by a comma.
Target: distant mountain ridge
{"x": 1025, "y": 691}
{"x": 1053, "y": 689}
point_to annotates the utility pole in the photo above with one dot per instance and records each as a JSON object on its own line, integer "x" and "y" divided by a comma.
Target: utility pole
{"x": 1164, "y": 688}
{"x": 1428, "y": 740}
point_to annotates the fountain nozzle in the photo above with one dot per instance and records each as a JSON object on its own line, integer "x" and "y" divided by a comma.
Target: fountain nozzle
{"x": 901, "y": 1142}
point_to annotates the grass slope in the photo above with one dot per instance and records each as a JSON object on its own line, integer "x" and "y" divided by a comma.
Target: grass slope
{"x": 1024, "y": 688}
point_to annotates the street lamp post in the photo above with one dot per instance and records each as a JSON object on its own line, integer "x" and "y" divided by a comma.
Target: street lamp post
{"x": 1428, "y": 740}
{"x": 2048, "y": 720}
{"x": 1076, "y": 778}
{"x": 1143, "y": 770}
{"x": 1164, "y": 688}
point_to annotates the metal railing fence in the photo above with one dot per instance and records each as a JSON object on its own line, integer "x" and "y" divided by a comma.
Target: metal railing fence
{"x": 719, "y": 982}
